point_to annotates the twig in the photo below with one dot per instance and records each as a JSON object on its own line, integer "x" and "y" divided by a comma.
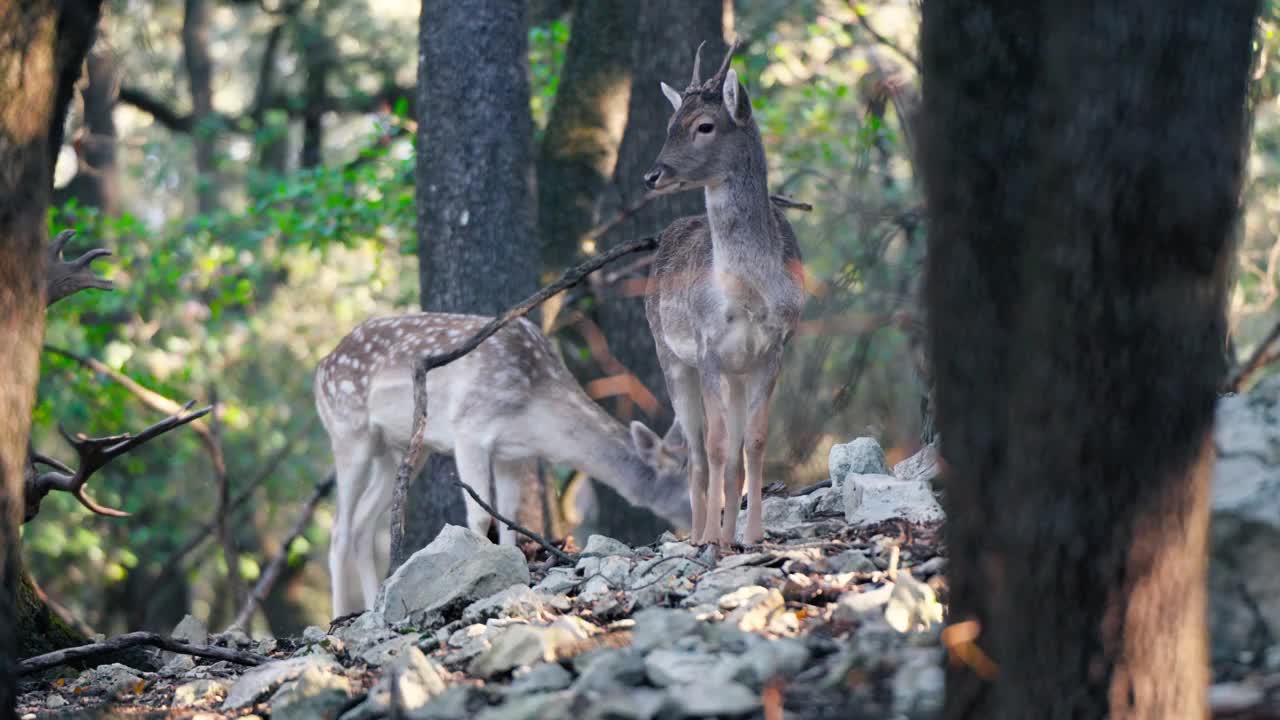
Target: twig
{"x": 1257, "y": 360}
{"x": 134, "y": 639}
{"x": 219, "y": 463}
{"x": 787, "y": 203}
{"x": 866, "y": 25}
{"x": 523, "y": 531}
{"x": 415, "y": 454}
{"x": 272, "y": 573}
{"x": 810, "y": 489}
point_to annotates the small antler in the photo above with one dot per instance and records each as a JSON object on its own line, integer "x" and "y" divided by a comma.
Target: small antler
{"x": 697, "y": 66}
{"x": 69, "y": 277}
{"x": 94, "y": 453}
{"x": 717, "y": 80}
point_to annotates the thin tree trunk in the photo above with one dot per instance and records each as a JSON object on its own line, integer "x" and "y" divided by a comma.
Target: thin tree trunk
{"x": 477, "y": 248}
{"x": 96, "y": 183}
{"x": 1082, "y": 183}
{"x": 40, "y": 44}
{"x": 317, "y": 56}
{"x": 199, "y": 66}
{"x": 580, "y": 147}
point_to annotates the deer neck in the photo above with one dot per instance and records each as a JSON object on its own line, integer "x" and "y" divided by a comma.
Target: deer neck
{"x": 600, "y": 446}
{"x": 739, "y": 214}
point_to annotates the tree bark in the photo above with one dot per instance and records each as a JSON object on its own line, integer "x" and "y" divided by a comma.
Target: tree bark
{"x": 96, "y": 183}
{"x": 1082, "y": 184}
{"x": 580, "y": 147}
{"x": 317, "y": 56}
{"x": 199, "y": 66}
{"x": 40, "y": 43}
{"x": 477, "y": 249}
{"x": 667, "y": 35}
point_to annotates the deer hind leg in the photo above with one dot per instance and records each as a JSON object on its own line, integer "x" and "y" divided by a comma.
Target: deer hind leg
{"x": 474, "y": 468}
{"x": 371, "y": 508}
{"x": 686, "y": 399}
{"x": 735, "y": 422}
{"x": 512, "y": 479}
{"x": 759, "y": 392}
{"x": 352, "y": 462}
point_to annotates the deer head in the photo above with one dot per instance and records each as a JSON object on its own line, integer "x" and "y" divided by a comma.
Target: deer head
{"x": 709, "y": 133}
{"x": 668, "y": 457}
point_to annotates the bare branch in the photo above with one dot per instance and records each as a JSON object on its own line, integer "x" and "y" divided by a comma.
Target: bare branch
{"x": 895, "y": 47}
{"x": 272, "y": 573}
{"x": 114, "y": 645}
{"x": 551, "y": 548}
{"x": 94, "y": 453}
{"x": 1259, "y": 359}
{"x": 156, "y": 108}
{"x": 67, "y": 277}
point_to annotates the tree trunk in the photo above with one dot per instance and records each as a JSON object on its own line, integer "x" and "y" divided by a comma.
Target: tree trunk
{"x": 580, "y": 147}
{"x": 1082, "y": 182}
{"x": 317, "y": 57}
{"x": 477, "y": 250}
{"x": 195, "y": 54}
{"x": 667, "y": 35}
{"x": 42, "y": 45}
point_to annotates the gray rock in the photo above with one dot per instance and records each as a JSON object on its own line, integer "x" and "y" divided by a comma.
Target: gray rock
{"x": 824, "y": 502}
{"x": 112, "y": 679}
{"x": 387, "y": 651}
{"x": 628, "y": 704}
{"x": 191, "y": 629}
{"x": 924, "y": 466}
{"x": 677, "y": 548}
{"x": 1244, "y": 595}
{"x": 779, "y": 514}
{"x": 265, "y": 678}
{"x": 863, "y": 456}
{"x": 912, "y": 605}
{"x": 605, "y": 671}
{"x": 456, "y": 569}
{"x": 54, "y": 701}
{"x": 541, "y": 706}
{"x": 715, "y": 584}
{"x": 178, "y": 664}
{"x": 528, "y": 644}
{"x": 850, "y": 561}
{"x": 517, "y": 601}
{"x": 757, "y": 609}
{"x": 660, "y": 627}
{"x": 1234, "y": 697}
{"x": 418, "y": 677}
{"x": 364, "y": 632}
{"x": 764, "y": 660}
{"x": 312, "y": 634}
{"x": 455, "y": 703}
{"x": 558, "y": 580}
{"x": 546, "y": 677}
{"x": 918, "y": 683}
{"x": 700, "y": 700}
{"x": 870, "y": 499}
{"x": 198, "y": 692}
{"x": 603, "y": 545}
{"x": 604, "y": 575}
{"x": 316, "y": 694}
{"x": 859, "y": 606}
{"x": 674, "y": 667}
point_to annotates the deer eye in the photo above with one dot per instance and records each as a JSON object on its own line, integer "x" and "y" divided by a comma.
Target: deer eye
{"x": 706, "y": 128}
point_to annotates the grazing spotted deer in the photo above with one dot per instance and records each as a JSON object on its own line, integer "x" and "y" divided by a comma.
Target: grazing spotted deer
{"x": 723, "y": 298}
{"x": 509, "y": 401}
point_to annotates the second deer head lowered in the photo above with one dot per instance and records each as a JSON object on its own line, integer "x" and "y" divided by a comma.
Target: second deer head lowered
{"x": 509, "y": 401}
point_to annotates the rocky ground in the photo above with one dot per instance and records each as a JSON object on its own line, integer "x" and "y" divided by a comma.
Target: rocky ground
{"x": 836, "y": 615}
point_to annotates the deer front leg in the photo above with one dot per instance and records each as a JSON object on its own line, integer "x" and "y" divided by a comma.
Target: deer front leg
{"x": 686, "y": 400}
{"x": 474, "y": 468}
{"x": 735, "y": 421}
{"x": 717, "y": 454}
{"x": 760, "y": 390}
{"x": 371, "y": 508}
{"x": 352, "y": 461}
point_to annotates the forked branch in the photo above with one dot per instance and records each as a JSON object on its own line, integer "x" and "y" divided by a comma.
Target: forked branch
{"x": 134, "y": 639}
{"x": 94, "y": 453}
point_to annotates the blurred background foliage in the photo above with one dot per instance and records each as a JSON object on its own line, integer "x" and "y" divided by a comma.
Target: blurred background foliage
{"x": 251, "y": 232}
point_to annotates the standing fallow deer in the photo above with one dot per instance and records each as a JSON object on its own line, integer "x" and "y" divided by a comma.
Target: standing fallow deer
{"x": 507, "y": 402}
{"x": 724, "y": 296}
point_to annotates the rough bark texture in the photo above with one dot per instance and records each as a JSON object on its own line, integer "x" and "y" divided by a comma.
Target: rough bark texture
{"x": 1082, "y": 181}
{"x": 199, "y": 66}
{"x": 580, "y": 146}
{"x": 477, "y": 250}
{"x": 666, "y": 36}
{"x": 40, "y": 43}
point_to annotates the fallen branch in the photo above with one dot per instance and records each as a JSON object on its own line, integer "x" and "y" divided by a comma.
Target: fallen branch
{"x": 123, "y": 642}
{"x": 1258, "y": 360}
{"x": 269, "y": 576}
{"x": 415, "y": 455}
{"x": 523, "y": 531}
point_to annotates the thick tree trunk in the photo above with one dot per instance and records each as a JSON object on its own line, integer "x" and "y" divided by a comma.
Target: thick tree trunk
{"x": 666, "y": 37}
{"x": 1082, "y": 183}
{"x": 42, "y": 45}
{"x": 580, "y": 147}
{"x": 477, "y": 250}
{"x": 199, "y": 66}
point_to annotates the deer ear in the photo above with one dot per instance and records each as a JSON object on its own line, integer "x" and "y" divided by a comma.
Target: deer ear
{"x": 735, "y": 99}
{"x": 675, "y": 439}
{"x": 673, "y": 97}
{"x": 645, "y": 440}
